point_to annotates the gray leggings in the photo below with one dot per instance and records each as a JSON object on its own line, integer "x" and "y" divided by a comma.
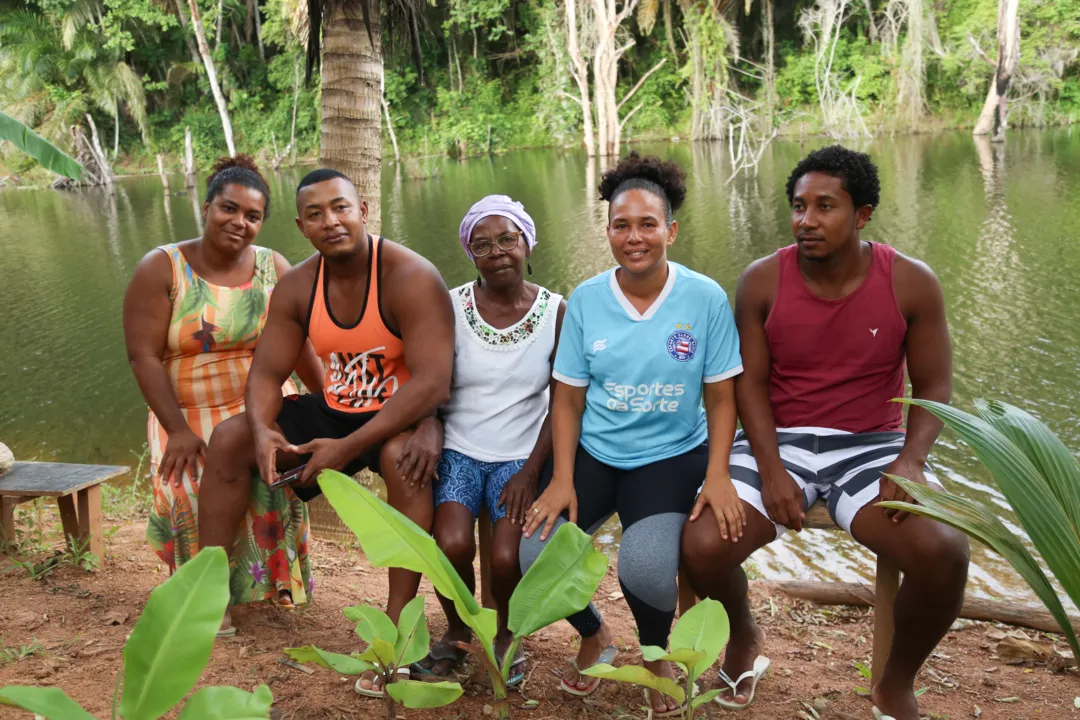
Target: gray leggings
{"x": 653, "y": 502}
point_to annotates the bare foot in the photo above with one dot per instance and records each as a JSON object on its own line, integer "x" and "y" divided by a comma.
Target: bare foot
{"x": 742, "y": 650}
{"x": 661, "y": 703}
{"x": 588, "y": 654}
{"x": 895, "y": 699}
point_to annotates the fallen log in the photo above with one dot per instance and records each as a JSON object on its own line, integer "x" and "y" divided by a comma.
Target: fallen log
{"x": 838, "y": 593}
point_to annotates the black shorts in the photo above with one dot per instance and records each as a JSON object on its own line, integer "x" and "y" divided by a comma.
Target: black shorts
{"x": 665, "y": 486}
{"x": 304, "y": 418}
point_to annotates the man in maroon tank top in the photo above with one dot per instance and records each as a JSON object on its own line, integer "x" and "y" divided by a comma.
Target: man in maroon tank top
{"x": 826, "y": 327}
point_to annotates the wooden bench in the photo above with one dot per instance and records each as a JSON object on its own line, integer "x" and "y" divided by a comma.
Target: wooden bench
{"x": 886, "y": 586}
{"x": 77, "y": 489}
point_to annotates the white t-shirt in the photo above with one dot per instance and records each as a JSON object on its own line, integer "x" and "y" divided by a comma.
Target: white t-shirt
{"x": 499, "y": 394}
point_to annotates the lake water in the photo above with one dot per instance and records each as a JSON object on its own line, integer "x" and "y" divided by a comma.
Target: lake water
{"x": 998, "y": 225}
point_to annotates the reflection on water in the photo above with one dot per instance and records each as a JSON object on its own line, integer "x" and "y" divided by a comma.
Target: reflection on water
{"x": 991, "y": 220}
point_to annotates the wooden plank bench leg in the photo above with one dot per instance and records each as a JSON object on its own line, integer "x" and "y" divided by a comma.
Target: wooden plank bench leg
{"x": 885, "y": 589}
{"x": 7, "y": 522}
{"x": 69, "y": 517}
{"x": 90, "y": 521}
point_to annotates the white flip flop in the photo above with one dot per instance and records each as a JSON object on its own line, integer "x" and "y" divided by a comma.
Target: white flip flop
{"x": 878, "y": 715}
{"x": 761, "y": 666}
{"x": 368, "y": 692}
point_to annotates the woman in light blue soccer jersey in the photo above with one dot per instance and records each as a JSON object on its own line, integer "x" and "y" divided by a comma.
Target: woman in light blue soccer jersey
{"x": 644, "y": 412}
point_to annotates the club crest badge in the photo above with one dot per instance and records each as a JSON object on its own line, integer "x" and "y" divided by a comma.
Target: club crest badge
{"x": 681, "y": 345}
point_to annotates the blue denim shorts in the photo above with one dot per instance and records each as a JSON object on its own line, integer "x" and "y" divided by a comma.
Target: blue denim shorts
{"x": 472, "y": 483}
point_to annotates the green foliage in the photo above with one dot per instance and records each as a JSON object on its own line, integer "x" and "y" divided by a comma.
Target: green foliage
{"x": 696, "y": 643}
{"x": 165, "y": 655}
{"x": 389, "y": 648}
{"x": 39, "y": 148}
{"x": 561, "y": 581}
{"x": 1041, "y": 481}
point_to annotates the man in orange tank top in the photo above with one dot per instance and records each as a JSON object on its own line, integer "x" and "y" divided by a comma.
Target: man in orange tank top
{"x": 826, "y": 326}
{"x": 379, "y": 316}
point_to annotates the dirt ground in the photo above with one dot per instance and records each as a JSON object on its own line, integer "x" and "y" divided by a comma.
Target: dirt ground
{"x": 68, "y": 628}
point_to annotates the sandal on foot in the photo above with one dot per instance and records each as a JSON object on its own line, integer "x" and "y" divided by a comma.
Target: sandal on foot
{"x": 878, "y": 715}
{"x": 605, "y": 658}
{"x": 371, "y": 692}
{"x": 761, "y": 666}
{"x": 227, "y": 632}
{"x": 439, "y": 652}
{"x": 517, "y": 669}
{"x": 677, "y": 712}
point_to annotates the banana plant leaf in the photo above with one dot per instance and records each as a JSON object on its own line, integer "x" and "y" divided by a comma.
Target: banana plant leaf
{"x": 344, "y": 664}
{"x": 389, "y": 539}
{"x": 228, "y": 703}
{"x": 49, "y": 703}
{"x": 172, "y": 640}
{"x": 637, "y": 675}
{"x": 705, "y": 629}
{"x": 419, "y": 695}
{"x": 372, "y": 623}
{"x": 413, "y": 638}
{"x": 979, "y": 522}
{"x": 37, "y": 147}
{"x": 561, "y": 582}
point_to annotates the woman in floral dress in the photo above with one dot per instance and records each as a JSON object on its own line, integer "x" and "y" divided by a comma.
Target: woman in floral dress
{"x": 193, "y": 314}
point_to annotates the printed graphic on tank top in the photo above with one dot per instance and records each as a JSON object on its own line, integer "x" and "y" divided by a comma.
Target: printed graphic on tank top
{"x": 837, "y": 363}
{"x": 499, "y": 396}
{"x": 365, "y": 361}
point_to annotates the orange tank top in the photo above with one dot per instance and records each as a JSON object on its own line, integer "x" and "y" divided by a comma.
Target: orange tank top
{"x": 365, "y": 362}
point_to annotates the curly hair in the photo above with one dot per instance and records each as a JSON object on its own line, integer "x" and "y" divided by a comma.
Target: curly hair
{"x": 634, "y": 172}
{"x": 857, "y": 172}
{"x": 238, "y": 170}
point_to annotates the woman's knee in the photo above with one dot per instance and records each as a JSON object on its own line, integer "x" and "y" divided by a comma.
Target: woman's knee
{"x": 230, "y": 449}
{"x": 504, "y": 559}
{"x": 457, "y": 543}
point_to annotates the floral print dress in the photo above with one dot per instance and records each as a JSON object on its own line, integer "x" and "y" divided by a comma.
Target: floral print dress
{"x": 212, "y": 336}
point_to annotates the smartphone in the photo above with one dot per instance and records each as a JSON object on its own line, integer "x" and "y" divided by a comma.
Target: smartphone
{"x": 288, "y": 476}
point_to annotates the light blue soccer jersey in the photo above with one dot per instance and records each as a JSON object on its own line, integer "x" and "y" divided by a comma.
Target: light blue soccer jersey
{"x": 645, "y": 372}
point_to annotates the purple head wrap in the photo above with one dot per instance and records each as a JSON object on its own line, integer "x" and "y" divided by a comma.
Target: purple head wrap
{"x": 504, "y": 206}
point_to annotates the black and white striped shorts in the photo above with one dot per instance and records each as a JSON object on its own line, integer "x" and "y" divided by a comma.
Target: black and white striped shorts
{"x": 843, "y": 469}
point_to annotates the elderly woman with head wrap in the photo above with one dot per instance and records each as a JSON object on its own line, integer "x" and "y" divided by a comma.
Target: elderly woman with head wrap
{"x": 497, "y": 430}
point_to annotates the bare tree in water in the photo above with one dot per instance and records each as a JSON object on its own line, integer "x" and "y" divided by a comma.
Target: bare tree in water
{"x": 992, "y": 120}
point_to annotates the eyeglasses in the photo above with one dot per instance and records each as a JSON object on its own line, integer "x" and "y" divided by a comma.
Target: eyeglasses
{"x": 506, "y": 243}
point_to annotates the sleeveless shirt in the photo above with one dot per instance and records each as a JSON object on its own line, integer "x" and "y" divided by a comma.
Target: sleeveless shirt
{"x": 837, "y": 363}
{"x": 365, "y": 361}
{"x": 499, "y": 395}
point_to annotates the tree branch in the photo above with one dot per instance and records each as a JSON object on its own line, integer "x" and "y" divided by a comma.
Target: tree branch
{"x": 568, "y": 95}
{"x": 629, "y": 115}
{"x": 639, "y": 84}
{"x": 980, "y": 52}
{"x": 627, "y": 9}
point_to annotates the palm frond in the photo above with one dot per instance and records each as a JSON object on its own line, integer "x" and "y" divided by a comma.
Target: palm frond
{"x": 646, "y": 15}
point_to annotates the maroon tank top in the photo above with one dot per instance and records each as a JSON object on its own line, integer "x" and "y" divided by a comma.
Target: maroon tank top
{"x": 837, "y": 363}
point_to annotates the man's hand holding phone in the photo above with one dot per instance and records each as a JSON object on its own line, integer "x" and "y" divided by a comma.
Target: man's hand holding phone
{"x": 268, "y": 442}
{"x": 288, "y": 476}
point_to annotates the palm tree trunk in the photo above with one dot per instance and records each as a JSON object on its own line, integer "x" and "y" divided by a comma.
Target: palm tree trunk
{"x": 351, "y": 101}
{"x": 211, "y": 75}
{"x": 116, "y": 129}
